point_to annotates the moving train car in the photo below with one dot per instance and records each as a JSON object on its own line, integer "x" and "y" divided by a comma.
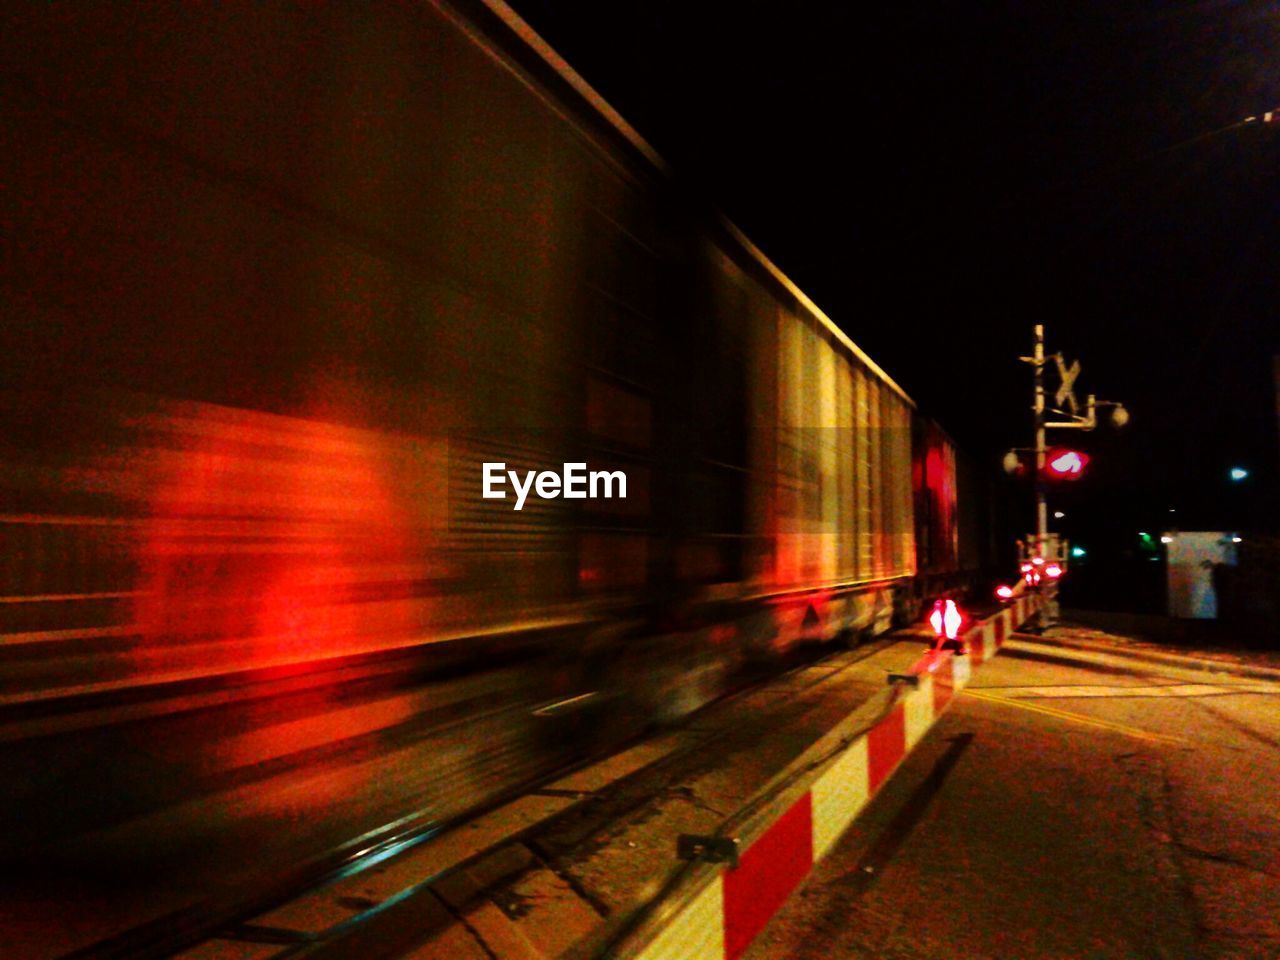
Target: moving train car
{"x": 281, "y": 280}
{"x": 962, "y": 516}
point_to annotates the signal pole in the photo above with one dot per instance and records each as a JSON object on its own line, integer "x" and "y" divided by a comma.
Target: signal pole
{"x": 1042, "y": 507}
{"x": 1044, "y": 547}
{"x": 1048, "y": 615}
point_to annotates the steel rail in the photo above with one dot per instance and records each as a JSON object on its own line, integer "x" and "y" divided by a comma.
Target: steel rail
{"x": 227, "y": 912}
{"x": 333, "y": 944}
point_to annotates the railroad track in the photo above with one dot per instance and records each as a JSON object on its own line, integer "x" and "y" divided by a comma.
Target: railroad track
{"x": 233, "y": 916}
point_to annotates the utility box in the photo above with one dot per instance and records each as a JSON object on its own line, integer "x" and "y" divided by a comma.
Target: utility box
{"x": 1192, "y": 559}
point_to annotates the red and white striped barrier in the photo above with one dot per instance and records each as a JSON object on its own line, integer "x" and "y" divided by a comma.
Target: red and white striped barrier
{"x": 722, "y": 919}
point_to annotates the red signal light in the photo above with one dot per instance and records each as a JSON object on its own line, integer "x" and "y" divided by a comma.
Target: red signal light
{"x": 1064, "y": 464}
{"x": 946, "y": 619}
{"x": 1053, "y": 571}
{"x": 1004, "y": 592}
{"x": 952, "y": 619}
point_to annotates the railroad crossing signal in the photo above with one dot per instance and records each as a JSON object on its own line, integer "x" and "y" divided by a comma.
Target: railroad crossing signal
{"x": 1065, "y": 392}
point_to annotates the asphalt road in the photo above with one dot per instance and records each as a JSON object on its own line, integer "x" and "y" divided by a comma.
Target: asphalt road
{"x": 1067, "y": 806}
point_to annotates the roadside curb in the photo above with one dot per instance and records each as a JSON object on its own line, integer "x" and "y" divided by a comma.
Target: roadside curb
{"x": 1169, "y": 659}
{"x": 717, "y": 908}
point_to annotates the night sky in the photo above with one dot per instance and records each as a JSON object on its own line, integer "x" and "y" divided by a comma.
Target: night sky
{"x": 939, "y": 177}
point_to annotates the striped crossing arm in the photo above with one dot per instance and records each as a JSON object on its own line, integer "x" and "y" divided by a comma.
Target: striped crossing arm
{"x": 720, "y": 920}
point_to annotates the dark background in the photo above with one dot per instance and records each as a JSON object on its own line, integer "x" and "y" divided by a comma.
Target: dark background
{"x": 939, "y": 177}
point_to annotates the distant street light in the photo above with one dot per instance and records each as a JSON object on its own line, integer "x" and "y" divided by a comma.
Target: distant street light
{"x": 1058, "y": 514}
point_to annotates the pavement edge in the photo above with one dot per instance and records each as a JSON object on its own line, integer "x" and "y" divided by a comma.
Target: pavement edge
{"x": 721, "y": 909}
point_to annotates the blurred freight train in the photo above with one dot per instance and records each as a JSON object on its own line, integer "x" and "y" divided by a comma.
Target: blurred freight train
{"x": 280, "y": 278}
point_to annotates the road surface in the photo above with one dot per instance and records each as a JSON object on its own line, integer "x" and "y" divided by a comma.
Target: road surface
{"x": 1069, "y": 805}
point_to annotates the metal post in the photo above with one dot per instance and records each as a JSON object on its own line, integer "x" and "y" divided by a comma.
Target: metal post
{"x": 1048, "y": 614}
{"x": 1042, "y": 508}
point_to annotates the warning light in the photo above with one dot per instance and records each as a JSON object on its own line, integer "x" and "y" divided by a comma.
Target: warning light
{"x": 1004, "y": 592}
{"x": 1064, "y": 464}
{"x": 1067, "y": 463}
{"x": 951, "y": 620}
{"x": 946, "y": 620}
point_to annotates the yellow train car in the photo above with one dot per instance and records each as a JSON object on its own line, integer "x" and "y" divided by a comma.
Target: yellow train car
{"x": 282, "y": 280}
